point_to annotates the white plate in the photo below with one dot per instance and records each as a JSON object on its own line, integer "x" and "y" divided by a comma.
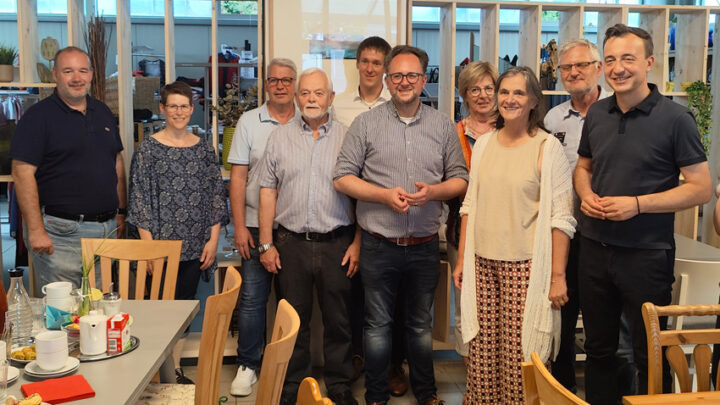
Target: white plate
{"x": 32, "y": 369}
{"x": 12, "y": 374}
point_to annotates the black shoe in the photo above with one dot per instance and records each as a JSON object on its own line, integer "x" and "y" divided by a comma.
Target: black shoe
{"x": 345, "y": 398}
{"x": 180, "y": 377}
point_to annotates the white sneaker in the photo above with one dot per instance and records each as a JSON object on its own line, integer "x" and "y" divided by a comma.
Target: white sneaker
{"x": 242, "y": 384}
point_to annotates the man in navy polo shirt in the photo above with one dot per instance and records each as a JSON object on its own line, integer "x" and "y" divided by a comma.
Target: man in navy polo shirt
{"x": 68, "y": 171}
{"x": 633, "y": 148}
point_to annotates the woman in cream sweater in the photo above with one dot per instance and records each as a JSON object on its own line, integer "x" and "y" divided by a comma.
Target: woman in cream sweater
{"x": 514, "y": 236}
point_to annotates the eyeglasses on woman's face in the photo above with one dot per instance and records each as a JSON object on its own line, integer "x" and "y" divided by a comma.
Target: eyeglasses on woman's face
{"x": 476, "y": 91}
{"x": 174, "y": 107}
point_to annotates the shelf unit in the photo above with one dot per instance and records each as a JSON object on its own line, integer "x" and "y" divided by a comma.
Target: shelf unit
{"x": 691, "y": 36}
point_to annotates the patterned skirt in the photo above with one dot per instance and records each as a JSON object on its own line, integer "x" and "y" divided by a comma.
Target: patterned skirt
{"x": 494, "y": 374}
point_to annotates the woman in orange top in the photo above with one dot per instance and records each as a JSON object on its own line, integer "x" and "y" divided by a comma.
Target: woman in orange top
{"x": 477, "y": 89}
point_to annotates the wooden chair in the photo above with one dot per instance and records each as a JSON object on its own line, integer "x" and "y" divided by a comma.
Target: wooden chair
{"x": 277, "y": 354}
{"x": 309, "y": 393}
{"x": 142, "y": 251}
{"x": 542, "y": 388}
{"x": 673, "y": 340}
{"x": 218, "y": 312}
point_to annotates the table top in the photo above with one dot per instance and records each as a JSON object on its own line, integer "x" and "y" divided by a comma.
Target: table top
{"x": 689, "y": 398}
{"x": 121, "y": 380}
{"x": 690, "y": 249}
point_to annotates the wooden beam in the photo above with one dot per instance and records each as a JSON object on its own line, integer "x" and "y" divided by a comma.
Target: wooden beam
{"x": 125, "y": 92}
{"x": 655, "y": 22}
{"x": 691, "y": 39}
{"x": 214, "y": 70}
{"x": 28, "y": 43}
{"x": 529, "y": 38}
{"x": 76, "y": 24}
{"x": 260, "y": 54}
{"x": 489, "y": 39}
{"x": 169, "y": 42}
{"x": 446, "y": 79}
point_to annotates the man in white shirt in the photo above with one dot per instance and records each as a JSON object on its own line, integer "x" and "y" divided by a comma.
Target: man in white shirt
{"x": 370, "y": 91}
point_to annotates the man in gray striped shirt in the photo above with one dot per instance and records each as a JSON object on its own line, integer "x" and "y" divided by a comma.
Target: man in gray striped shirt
{"x": 316, "y": 242}
{"x": 400, "y": 160}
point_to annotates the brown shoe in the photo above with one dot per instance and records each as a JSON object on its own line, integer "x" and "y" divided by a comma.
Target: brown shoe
{"x": 434, "y": 401}
{"x": 397, "y": 380}
{"x": 358, "y": 367}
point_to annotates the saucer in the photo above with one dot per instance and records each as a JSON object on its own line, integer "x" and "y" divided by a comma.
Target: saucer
{"x": 12, "y": 374}
{"x": 32, "y": 369}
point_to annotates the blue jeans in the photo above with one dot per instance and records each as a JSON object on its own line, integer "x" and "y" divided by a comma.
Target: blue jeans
{"x": 384, "y": 267}
{"x": 65, "y": 264}
{"x": 254, "y": 294}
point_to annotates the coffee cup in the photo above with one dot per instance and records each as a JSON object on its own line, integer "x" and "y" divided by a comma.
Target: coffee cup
{"x": 51, "y": 349}
{"x": 57, "y": 290}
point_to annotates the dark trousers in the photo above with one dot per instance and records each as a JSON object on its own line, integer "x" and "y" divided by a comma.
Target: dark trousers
{"x": 187, "y": 279}
{"x": 563, "y": 368}
{"x": 615, "y": 280}
{"x": 385, "y": 266}
{"x": 317, "y": 263}
{"x": 357, "y": 321}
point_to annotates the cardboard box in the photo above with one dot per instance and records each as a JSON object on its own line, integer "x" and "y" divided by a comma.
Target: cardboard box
{"x": 118, "y": 333}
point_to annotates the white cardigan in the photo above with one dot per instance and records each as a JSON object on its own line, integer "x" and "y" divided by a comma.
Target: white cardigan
{"x": 541, "y": 324}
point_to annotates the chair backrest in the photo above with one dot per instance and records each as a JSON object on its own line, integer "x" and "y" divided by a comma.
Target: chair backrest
{"x": 542, "y": 388}
{"x": 218, "y": 313}
{"x": 309, "y": 393}
{"x": 277, "y": 354}
{"x": 697, "y": 282}
{"x": 673, "y": 339}
{"x": 142, "y": 251}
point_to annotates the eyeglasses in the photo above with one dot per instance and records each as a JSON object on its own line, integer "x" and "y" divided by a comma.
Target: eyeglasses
{"x": 174, "y": 108}
{"x": 412, "y": 78}
{"x": 579, "y": 66}
{"x": 475, "y": 91}
{"x": 286, "y": 81}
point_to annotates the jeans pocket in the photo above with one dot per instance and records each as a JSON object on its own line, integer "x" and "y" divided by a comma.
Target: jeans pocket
{"x": 369, "y": 243}
{"x": 59, "y": 226}
{"x": 281, "y": 237}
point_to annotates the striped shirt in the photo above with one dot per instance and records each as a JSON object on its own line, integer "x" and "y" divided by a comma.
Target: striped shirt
{"x": 384, "y": 151}
{"x": 300, "y": 168}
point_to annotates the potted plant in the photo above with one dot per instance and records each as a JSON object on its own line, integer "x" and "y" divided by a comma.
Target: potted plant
{"x": 700, "y": 104}
{"x": 7, "y": 58}
{"x": 229, "y": 110}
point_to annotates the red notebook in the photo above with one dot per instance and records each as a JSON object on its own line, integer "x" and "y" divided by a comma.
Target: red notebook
{"x": 59, "y": 390}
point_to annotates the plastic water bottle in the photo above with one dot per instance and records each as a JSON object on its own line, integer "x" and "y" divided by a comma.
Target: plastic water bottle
{"x": 19, "y": 310}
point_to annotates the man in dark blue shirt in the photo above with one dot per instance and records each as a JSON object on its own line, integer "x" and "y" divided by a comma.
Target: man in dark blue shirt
{"x": 68, "y": 171}
{"x": 634, "y": 146}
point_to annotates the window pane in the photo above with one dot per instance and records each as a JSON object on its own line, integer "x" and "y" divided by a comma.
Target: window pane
{"x": 7, "y": 6}
{"x": 239, "y": 7}
{"x": 51, "y": 7}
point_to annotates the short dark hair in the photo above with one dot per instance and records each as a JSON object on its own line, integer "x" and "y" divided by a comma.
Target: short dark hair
{"x": 375, "y": 43}
{"x": 180, "y": 88}
{"x": 532, "y": 86}
{"x": 407, "y": 49}
{"x": 620, "y": 30}
{"x": 70, "y": 49}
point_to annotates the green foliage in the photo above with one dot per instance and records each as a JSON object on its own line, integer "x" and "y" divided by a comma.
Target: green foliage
{"x": 232, "y": 106}
{"x": 7, "y": 55}
{"x": 550, "y": 15}
{"x": 700, "y": 104}
{"x": 241, "y": 7}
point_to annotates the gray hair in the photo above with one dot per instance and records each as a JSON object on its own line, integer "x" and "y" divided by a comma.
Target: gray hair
{"x": 310, "y": 71}
{"x": 580, "y": 42}
{"x": 284, "y": 62}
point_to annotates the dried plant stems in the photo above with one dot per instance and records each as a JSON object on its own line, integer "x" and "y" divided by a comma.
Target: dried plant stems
{"x": 96, "y": 42}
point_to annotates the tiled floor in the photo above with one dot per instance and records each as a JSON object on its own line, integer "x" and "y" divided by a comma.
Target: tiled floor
{"x": 449, "y": 377}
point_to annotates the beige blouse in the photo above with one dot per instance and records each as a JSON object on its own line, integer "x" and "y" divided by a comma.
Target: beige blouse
{"x": 508, "y": 199}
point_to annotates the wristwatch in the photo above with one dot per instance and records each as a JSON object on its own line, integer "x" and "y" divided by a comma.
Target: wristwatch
{"x": 264, "y": 247}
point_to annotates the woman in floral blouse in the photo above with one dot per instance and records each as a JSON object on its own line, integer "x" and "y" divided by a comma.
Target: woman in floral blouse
{"x": 177, "y": 193}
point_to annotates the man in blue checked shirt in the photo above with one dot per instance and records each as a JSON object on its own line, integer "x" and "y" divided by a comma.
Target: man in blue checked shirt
{"x": 400, "y": 160}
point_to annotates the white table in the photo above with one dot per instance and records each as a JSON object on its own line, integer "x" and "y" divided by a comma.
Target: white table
{"x": 121, "y": 380}
{"x": 690, "y": 249}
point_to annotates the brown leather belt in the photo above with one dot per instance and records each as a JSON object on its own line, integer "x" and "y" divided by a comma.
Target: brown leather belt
{"x": 409, "y": 241}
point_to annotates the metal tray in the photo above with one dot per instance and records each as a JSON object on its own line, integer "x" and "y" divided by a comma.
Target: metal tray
{"x": 134, "y": 343}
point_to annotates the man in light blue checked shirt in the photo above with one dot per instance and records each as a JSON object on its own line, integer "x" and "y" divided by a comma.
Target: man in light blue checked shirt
{"x": 400, "y": 160}
{"x": 316, "y": 243}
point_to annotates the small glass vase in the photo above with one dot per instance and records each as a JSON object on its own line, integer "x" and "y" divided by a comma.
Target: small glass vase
{"x": 85, "y": 301}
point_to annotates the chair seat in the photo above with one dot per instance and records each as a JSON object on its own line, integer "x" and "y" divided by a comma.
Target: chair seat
{"x": 167, "y": 394}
